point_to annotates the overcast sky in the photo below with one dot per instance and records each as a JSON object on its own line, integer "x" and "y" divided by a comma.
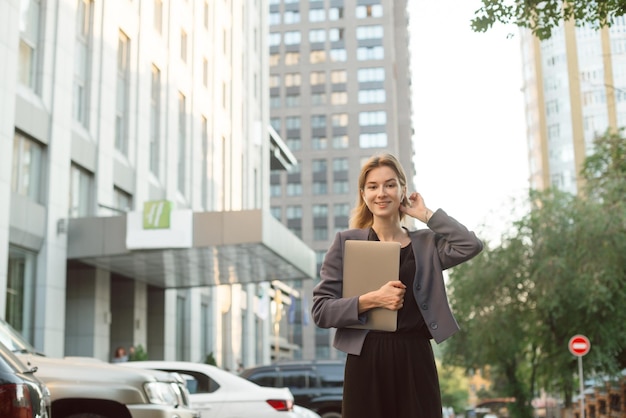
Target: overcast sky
{"x": 470, "y": 135}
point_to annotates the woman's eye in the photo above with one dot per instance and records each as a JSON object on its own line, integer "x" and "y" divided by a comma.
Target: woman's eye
{"x": 391, "y": 186}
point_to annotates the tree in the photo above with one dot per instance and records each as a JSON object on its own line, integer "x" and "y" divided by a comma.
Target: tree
{"x": 560, "y": 272}
{"x": 542, "y": 16}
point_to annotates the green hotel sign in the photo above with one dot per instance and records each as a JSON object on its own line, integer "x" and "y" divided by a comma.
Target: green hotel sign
{"x": 157, "y": 214}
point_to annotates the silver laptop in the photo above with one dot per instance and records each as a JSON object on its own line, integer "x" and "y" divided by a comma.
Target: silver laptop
{"x": 367, "y": 265}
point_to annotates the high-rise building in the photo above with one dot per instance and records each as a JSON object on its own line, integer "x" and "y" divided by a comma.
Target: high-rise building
{"x": 340, "y": 91}
{"x": 135, "y": 158}
{"x": 575, "y": 89}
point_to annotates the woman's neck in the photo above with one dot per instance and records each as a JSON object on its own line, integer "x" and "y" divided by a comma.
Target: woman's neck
{"x": 389, "y": 231}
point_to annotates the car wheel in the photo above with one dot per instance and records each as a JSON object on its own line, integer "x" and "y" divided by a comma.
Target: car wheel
{"x": 331, "y": 414}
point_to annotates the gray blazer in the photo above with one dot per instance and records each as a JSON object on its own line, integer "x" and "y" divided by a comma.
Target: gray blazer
{"x": 445, "y": 244}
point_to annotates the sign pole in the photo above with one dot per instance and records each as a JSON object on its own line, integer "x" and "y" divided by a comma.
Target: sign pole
{"x": 582, "y": 387}
{"x": 579, "y": 345}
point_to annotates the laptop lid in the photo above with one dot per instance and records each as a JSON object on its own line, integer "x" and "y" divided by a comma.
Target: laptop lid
{"x": 367, "y": 265}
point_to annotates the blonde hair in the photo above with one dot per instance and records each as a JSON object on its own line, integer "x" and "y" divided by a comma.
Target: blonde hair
{"x": 361, "y": 216}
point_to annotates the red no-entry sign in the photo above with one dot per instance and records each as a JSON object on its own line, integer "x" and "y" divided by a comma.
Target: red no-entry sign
{"x": 579, "y": 345}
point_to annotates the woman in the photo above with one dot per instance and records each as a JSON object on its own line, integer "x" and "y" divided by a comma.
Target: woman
{"x": 393, "y": 374}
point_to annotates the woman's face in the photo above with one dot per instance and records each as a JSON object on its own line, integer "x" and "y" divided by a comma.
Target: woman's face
{"x": 382, "y": 192}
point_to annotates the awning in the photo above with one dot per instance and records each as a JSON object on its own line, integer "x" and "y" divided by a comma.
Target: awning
{"x": 225, "y": 248}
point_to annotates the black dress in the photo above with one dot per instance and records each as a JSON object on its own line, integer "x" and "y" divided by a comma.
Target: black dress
{"x": 395, "y": 376}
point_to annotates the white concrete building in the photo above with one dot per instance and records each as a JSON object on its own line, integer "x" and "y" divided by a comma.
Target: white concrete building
{"x": 135, "y": 153}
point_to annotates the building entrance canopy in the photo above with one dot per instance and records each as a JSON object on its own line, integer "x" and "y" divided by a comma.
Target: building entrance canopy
{"x": 220, "y": 248}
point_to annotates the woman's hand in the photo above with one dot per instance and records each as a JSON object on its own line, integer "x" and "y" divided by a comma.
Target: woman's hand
{"x": 417, "y": 208}
{"x": 389, "y": 296}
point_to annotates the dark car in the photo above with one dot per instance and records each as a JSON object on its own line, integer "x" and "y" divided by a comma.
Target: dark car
{"x": 315, "y": 384}
{"x": 22, "y": 394}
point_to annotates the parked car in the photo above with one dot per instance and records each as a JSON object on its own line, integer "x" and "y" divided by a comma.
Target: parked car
{"x": 217, "y": 393}
{"x": 315, "y": 384}
{"x": 22, "y": 394}
{"x": 81, "y": 387}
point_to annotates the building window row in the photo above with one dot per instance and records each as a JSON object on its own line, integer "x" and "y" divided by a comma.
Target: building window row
{"x": 320, "y": 15}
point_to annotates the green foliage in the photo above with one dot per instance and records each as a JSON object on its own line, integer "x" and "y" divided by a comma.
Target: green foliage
{"x": 542, "y": 16}
{"x": 210, "y": 359}
{"x": 453, "y": 385}
{"x": 560, "y": 273}
{"x": 138, "y": 354}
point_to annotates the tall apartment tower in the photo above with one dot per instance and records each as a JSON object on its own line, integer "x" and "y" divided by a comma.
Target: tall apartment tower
{"x": 340, "y": 91}
{"x": 575, "y": 88}
{"x": 135, "y": 158}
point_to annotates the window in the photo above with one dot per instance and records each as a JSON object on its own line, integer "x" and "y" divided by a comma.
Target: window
{"x": 122, "y": 96}
{"x": 340, "y": 165}
{"x": 292, "y": 79}
{"x": 292, "y": 58}
{"x": 20, "y": 295}
{"x": 365, "y": 75}
{"x": 81, "y": 189}
{"x": 205, "y": 72}
{"x": 320, "y": 233}
{"x": 292, "y": 16}
{"x": 122, "y": 201}
{"x": 82, "y": 65}
{"x": 369, "y": 32}
{"x": 274, "y": 80}
{"x": 320, "y": 211}
{"x": 275, "y": 102}
{"x": 320, "y": 188}
{"x": 372, "y": 10}
{"x": 318, "y": 143}
{"x": 294, "y": 212}
{"x": 206, "y": 177}
{"x": 274, "y": 60}
{"x": 317, "y": 35}
{"x": 341, "y": 142}
{"x": 318, "y": 121}
{"x": 158, "y": 15}
{"x": 317, "y": 56}
{"x": 274, "y": 39}
{"x": 335, "y": 13}
{"x": 318, "y": 99}
{"x": 26, "y": 169}
{"x": 275, "y": 190}
{"x": 292, "y": 122}
{"x": 317, "y": 77}
{"x": 341, "y": 209}
{"x": 338, "y": 55}
{"x": 335, "y": 34}
{"x": 155, "y": 121}
{"x": 182, "y": 141}
{"x": 294, "y": 144}
{"x": 274, "y": 18}
{"x": 275, "y": 122}
{"x": 292, "y": 37}
{"x": 183, "y": 45}
{"x": 376, "y": 118}
{"x": 372, "y": 96}
{"x": 365, "y": 53}
{"x": 294, "y": 189}
{"x": 317, "y": 15}
{"x": 378, "y": 140}
{"x": 30, "y": 22}
{"x": 341, "y": 187}
{"x": 292, "y": 100}
{"x": 277, "y": 212}
{"x": 319, "y": 166}
{"x": 205, "y": 15}
{"x": 339, "y": 98}
{"x": 338, "y": 76}
{"x": 340, "y": 119}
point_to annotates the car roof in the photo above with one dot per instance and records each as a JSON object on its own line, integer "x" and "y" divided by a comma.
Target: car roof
{"x": 293, "y": 364}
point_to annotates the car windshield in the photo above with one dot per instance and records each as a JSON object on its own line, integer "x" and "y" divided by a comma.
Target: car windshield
{"x": 13, "y": 340}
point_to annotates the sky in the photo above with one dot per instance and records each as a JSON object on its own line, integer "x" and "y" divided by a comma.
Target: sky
{"x": 468, "y": 116}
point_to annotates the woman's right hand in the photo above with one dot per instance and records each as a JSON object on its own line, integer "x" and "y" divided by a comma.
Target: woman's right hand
{"x": 389, "y": 296}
